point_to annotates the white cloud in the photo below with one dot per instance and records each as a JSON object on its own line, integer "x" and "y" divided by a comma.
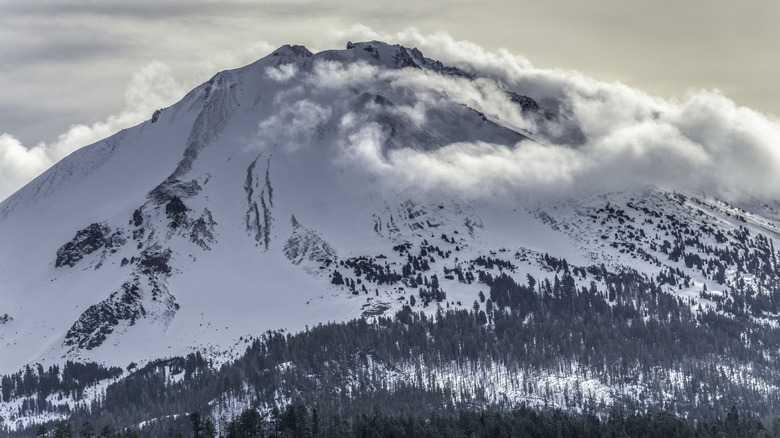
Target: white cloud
{"x": 441, "y": 46}
{"x": 19, "y": 164}
{"x": 296, "y": 125}
{"x": 282, "y": 73}
{"x": 150, "y": 88}
{"x": 333, "y": 75}
{"x": 704, "y": 141}
{"x": 627, "y": 137}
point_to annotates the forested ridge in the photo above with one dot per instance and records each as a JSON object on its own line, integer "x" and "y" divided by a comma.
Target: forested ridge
{"x": 626, "y": 345}
{"x": 299, "y": 421}
{"x": 588, "y": 340}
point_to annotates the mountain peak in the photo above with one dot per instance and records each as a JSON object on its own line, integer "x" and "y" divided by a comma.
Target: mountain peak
{"x": 391, "y": 55}
{"x": 373, "y": 45}
{"x": 398, "y": 56}
{"x": 292, "y": 50}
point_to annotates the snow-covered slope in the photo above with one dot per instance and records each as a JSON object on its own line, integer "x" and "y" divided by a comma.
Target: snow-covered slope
{"x": 238, "y": 209}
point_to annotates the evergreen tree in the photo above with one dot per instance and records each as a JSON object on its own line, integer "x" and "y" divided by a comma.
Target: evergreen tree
{"x": 108, "y": 432}
{"x": 130, "y": 433}
{"x": 63, "y": 429}
{"x": 87, "y": 430}
{"x": 197, "y": 425}
{"x": 732, "y": 423}
{"x": 209, "y": 431}
{"x": 315, "y": 423}
{"x": 249, "y": 424}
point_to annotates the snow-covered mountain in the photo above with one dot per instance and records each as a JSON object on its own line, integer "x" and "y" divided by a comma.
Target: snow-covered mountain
{"x": 259, "y": 202}
{"x": 221, "y": 215}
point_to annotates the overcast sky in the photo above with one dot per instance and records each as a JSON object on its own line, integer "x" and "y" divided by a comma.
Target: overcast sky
{"x": 103, "y": 65}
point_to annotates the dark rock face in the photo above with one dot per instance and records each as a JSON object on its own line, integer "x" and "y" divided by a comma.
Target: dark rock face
{"x": 306, "y": 245}
{"x": 176, "y": 212}
{"x": 296, "y": 50}
{"x": 202, "y": 230}
{"x": 531, "y": 107}
{"x": 258, "y": 217}
{"x": 138, "y": 218}
{"x": 154, "y": 261}
{"x": 145, "y": 294}
{"x": 127, "y": 305}
{"x": 87, "y": 241}
{"x": 525, "y": 102}
{"x": 404, "y": 59}
{"x": 99, "y": 320}
{"x": 557, "y": 126}
{"x": 163, "y": 193}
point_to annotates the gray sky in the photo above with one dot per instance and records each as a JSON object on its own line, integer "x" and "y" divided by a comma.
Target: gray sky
{"x": 106, "y": 64}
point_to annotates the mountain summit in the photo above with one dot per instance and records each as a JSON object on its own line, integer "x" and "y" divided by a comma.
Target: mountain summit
{"x": 226, "y": 213}
{"x": 306, "y": 188}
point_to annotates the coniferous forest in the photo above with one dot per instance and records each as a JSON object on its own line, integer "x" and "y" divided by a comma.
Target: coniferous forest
{"x": 301, "y": 422}
{"x": 625, "y": 357}
{"x": 575, "y": 344}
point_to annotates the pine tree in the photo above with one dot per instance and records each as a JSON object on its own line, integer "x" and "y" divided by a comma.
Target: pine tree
{"x": 209, "y": 431}
{"x": 108, "y": 432}
{"x": 87, "y": 430}
{"x": 197, "y": 425}
{"x": 63, "y": 429}
{"x": 315, "y": 423}
{"x": 732, "y": 423}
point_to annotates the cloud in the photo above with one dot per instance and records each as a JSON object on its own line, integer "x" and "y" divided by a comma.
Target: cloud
{"x": 398, "y": 125}
{"x": 296, "y": 125}
{"x": 441, "y": 46}
{"x": 631, "y": 139}
{"x": 282, "y": 73}
{"x": 334, "y": 75}
{"x": 151, "y": 87}
{"x": 19, "y": 164}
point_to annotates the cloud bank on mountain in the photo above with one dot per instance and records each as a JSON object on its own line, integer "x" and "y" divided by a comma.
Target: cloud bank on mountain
{"x": 703, "y": 142}
{"x": 601, "y": 136}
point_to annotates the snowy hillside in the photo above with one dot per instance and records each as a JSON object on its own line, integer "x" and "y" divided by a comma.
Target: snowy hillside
{"x": 218, "y": 217}
{"x": 255, "y": 204}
